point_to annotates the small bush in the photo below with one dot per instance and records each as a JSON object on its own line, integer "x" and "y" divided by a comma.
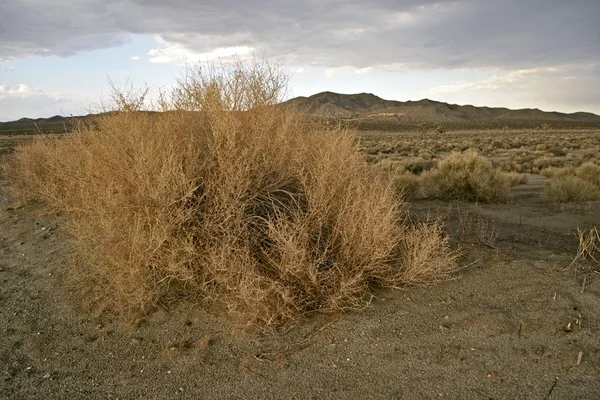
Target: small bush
{"x": 589, "y": 172}
{"x": 407, "y": 185}
{"x": 570, "y": 189}
{"x": 555, "y": 172}
{"x": 515, "y": 178}
{"x": 557, "y": 151}
{"x": 465, "y": 176}
{"x": 418, "y": 165}
{"x": 225, "y": 196}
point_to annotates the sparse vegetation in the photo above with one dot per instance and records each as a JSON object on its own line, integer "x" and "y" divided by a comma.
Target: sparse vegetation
{"x": 423, "y": 128}
{"x": 224, "y": 197}
{"x": 589, "y": 246}
{"x": 515, "y": 178}
{"x": 439, "y": 128}
{"x": 465, "y": 176}
{"x": 573, "y": 184}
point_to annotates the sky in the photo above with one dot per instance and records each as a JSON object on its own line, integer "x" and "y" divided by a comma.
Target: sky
{"x": 57, "y": 56}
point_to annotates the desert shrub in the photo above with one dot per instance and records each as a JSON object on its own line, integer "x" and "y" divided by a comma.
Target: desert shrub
{"x": 225, "y": 196}
{"x": 570, "y": 189}
{"x": 515, "y": 178}
{"x": 558, "y": 172}
{"x": 425, "y": 154}
{"x": 389, "y": 167}
{"x": 547, "y": 162}
{"x": 407, "y": 185}
{"x": 465, "y": 176}
{"x": 557, "y": 151}
{"x": 589, "y": 172}
{"x": 418, "y": 165}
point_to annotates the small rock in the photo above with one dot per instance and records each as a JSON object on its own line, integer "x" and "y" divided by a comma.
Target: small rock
{"x": 577, "y": 383}
{"x": 539, "y": 350}
{"x": 46, "y": 376}
{"x": 444, "y": 327}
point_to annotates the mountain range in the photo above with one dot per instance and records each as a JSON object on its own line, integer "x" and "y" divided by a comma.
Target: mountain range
{"x": 368, "y": 111}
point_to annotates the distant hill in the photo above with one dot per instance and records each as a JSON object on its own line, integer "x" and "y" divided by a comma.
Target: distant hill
{"x": 54, "y": 124}
{"x": 367, "y": 111}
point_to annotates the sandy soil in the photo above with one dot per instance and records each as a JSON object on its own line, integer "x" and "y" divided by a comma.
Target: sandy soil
{"x": 514, "y": 324}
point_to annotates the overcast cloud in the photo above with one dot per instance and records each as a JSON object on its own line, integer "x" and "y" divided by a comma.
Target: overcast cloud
{"x": 552, "y": 39}
{"x": 421, "y": 34}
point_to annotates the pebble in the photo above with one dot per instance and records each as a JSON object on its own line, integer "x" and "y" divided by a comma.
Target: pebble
{"x": 539, "y": 350}
{"x": 46, "y": 376}
{"x": 577, "y": 383}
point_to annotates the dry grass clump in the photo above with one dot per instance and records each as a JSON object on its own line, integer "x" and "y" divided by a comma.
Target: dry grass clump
{"x": 465, "y": 176}
{"x": 589, "y": 245}
{"x": 515, "y": 178}
{"x": 589, "y": 172}
{"x": 557, "y": 172}
{"x": 224, "y": 196}
{"x": 407, "y": 185}
{"x": 573, "y": 184}
{"x": 570, "y": 189}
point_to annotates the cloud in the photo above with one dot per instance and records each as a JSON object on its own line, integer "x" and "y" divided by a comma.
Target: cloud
{"x": 331, "y": 72}
{"x": 21, "y": 100}
{"x": 19, "y": 90}
{"x": 134, "y": 58}
{"x": 509, "y": 34}
{"x": 544, "y": 49}
{"x": 570, "y": 87}
{"x": 175, "y": 53}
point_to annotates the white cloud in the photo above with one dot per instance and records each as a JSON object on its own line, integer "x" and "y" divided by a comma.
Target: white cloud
{"x": 365, "y": 70}
{"x": 349, "y": 33}
{"x": 23, "y": 101}
{"x": 566, "y": 87}
{"x": 178, "y": 54}
{"x": 513, "y": 80}
{"x": 20, "y": 90}
{"x": 404, "y": 19}
{"x": 134, "y": 58}
{"x": 509, "y": 34}
{"x": 331, "y": 72}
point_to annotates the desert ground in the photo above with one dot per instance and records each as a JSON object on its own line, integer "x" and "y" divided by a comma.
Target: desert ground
{"x": 516, "y": 321}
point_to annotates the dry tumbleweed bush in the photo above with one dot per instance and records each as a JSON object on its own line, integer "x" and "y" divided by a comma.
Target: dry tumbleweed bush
{"x": 224, "y": 195}
{"x": 589, "y": 245}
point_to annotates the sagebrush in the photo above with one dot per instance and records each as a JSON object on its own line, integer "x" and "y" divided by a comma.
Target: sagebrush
{"x": 224, "y": 195}
{"x": 466, "y": 176}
